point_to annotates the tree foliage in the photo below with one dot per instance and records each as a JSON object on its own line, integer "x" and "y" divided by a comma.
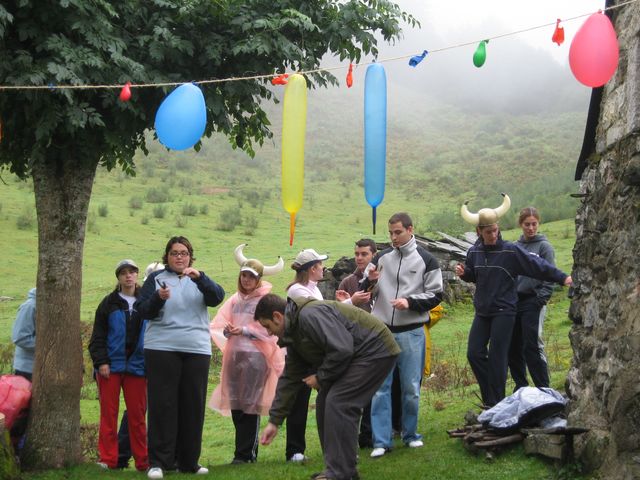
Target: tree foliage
{"x": 99, "y": 42}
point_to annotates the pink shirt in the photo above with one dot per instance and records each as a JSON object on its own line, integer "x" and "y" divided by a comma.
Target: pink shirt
{"x": 309, "y": 290}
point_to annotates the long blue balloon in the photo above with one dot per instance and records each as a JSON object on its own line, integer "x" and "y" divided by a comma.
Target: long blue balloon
{"x": 375, "y": 136}
{"x": 181, "y": 117}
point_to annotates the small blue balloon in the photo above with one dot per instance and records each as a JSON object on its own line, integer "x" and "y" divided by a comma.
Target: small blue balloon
{"x": 181, "y": 118}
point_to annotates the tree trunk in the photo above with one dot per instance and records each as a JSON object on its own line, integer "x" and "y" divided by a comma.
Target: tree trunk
{"x": 62, "y": 190}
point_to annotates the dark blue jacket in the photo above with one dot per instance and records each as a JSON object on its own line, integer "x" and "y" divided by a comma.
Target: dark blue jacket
{"x": 495, "y": 269}
{"x": 118, "y": 337}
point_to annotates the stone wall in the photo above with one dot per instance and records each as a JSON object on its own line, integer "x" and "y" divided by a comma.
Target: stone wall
{"x": 604, "y": 379}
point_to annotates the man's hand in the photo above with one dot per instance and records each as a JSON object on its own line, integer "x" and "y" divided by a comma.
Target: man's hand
{"x": 568, "y": 281}
{"x": 360, "y": 298}
{"x": 312, "y": 381}
{"x": 342, "y": 295}
{"x": 269, "y": 433}
{"x": 400, "y": 303}
{"x": 459, "y": 269}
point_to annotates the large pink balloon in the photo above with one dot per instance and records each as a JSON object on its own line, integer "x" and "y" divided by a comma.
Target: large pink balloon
{"x": 594, "y": 52}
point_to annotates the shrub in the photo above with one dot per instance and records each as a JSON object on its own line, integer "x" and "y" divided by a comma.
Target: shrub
{"x": 157, "y": 195}
{"x": 189, "y": 210}
{"x": 228, "y": 219}
{"x": 204, "y": 209}
{"x": 26, "y": 220}
{"x": 144, "y": 220}
{"x": 103, "y": 210}
{"x": 250, "y": 226}
{"x": 181, "y": 221}
{"x": 159, "y": 211}
{"x": 135, "y": 203}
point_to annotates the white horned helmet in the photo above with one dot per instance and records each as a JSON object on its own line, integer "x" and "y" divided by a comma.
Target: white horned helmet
{"x": 255, "y": 266}
{"x": 486, "y": 216}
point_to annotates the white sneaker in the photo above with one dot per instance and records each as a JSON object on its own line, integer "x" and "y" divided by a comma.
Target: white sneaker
{"x": 103, "y": 465}
{"x": 297, "y": 457}
{"x": 415, "y": 444}
{"x": 202, "y": 471}
{"x": 378, "y": 452}
{"x": 155, "y": 472}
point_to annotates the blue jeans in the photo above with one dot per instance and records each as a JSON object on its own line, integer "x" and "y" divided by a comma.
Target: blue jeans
{"x": 410, "y": 365}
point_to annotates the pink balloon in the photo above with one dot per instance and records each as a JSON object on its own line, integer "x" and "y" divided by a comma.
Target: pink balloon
{"x": 594, "y": 53}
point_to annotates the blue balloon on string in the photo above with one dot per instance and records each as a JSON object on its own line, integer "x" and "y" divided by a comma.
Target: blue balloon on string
{"x": 375, "y": 136}
{"x": 181, "y": 118}
{"x": 416, "y": 59}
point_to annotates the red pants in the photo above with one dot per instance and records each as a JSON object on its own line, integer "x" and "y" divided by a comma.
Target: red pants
{"x": 135, "y": 398}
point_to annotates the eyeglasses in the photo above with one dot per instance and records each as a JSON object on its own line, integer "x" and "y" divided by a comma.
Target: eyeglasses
{"x": 173, "y": 253}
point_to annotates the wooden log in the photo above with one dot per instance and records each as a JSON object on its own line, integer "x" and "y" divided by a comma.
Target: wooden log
{"x": 505, "y": 440}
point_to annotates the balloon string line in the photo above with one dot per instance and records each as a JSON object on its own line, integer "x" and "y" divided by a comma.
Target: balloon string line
{"x": 302, "y": 72}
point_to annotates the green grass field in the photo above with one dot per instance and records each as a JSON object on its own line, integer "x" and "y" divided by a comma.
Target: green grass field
{"x": 126, "y": 220}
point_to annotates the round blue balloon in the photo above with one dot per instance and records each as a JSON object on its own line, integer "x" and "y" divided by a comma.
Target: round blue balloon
{"x": 375, "y": 133}
{"x": 181, "y": 118}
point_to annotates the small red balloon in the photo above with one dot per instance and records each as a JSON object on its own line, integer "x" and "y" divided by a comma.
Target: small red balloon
{"x": 558, "y": 34}
{"x": 280, "y": 79}
{"x": 350, "y": 76}
{"x": 594, "y": 52}
{"x": 125, "y": 93}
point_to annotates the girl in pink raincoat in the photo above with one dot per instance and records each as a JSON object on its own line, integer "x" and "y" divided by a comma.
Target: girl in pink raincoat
{"x": 251, "y": 359}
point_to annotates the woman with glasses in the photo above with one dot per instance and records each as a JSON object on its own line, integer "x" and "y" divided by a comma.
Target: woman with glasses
{"x": 309, "y": 271}
{"x": 177, "y": 351}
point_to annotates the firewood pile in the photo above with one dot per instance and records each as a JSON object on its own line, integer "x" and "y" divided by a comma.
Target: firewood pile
{"x": 477, "y": 439}
{"x": 555, "y": 443}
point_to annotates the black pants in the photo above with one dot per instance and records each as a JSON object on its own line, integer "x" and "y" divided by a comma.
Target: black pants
{"x": 527, "y": 349}
{"x": 124, "y": 445}
{"x": 488, "y": 352}
{"x": 338, "y": 408}
{"x": 177, "y": 390}
{"x": 247, "y": 427}
{"x": 297, "y": 423}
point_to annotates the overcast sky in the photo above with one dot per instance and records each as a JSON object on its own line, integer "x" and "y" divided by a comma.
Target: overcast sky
{"x": 523, "y": 73}
{"x": 448, "y": 23}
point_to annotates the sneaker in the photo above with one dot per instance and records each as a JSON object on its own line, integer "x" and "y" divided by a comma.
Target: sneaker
{"x": 297, "y": 457}
{"x": 415, "y": 444}
{"x": 202, "y": 471}
{"x": 155, "y": 472}
{"x": 378, "y": 452}
{"x": 102, "y": 465}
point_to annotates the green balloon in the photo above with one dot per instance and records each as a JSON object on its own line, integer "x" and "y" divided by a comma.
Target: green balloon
{"x": 480, "y": 55}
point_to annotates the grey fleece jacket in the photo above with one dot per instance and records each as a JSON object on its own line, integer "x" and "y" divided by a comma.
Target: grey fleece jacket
{"x": 410, "y": 272}
{"x": 539, "y": 246}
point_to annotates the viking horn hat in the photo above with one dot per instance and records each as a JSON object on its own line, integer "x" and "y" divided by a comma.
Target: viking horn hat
{"x": 486, "y": 216}
{"x": 255, "y": 266}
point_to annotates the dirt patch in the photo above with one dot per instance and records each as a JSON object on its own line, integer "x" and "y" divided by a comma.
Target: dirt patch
{"x": 214, "y": 190}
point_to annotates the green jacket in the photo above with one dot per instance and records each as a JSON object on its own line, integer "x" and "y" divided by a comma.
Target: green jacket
{"x": 325, "y": 337}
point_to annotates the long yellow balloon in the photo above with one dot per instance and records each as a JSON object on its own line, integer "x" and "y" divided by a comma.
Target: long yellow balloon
{"x": 294, "y": 123}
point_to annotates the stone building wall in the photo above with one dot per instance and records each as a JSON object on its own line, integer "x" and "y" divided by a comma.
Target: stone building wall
{"x": 604, "y": 379}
